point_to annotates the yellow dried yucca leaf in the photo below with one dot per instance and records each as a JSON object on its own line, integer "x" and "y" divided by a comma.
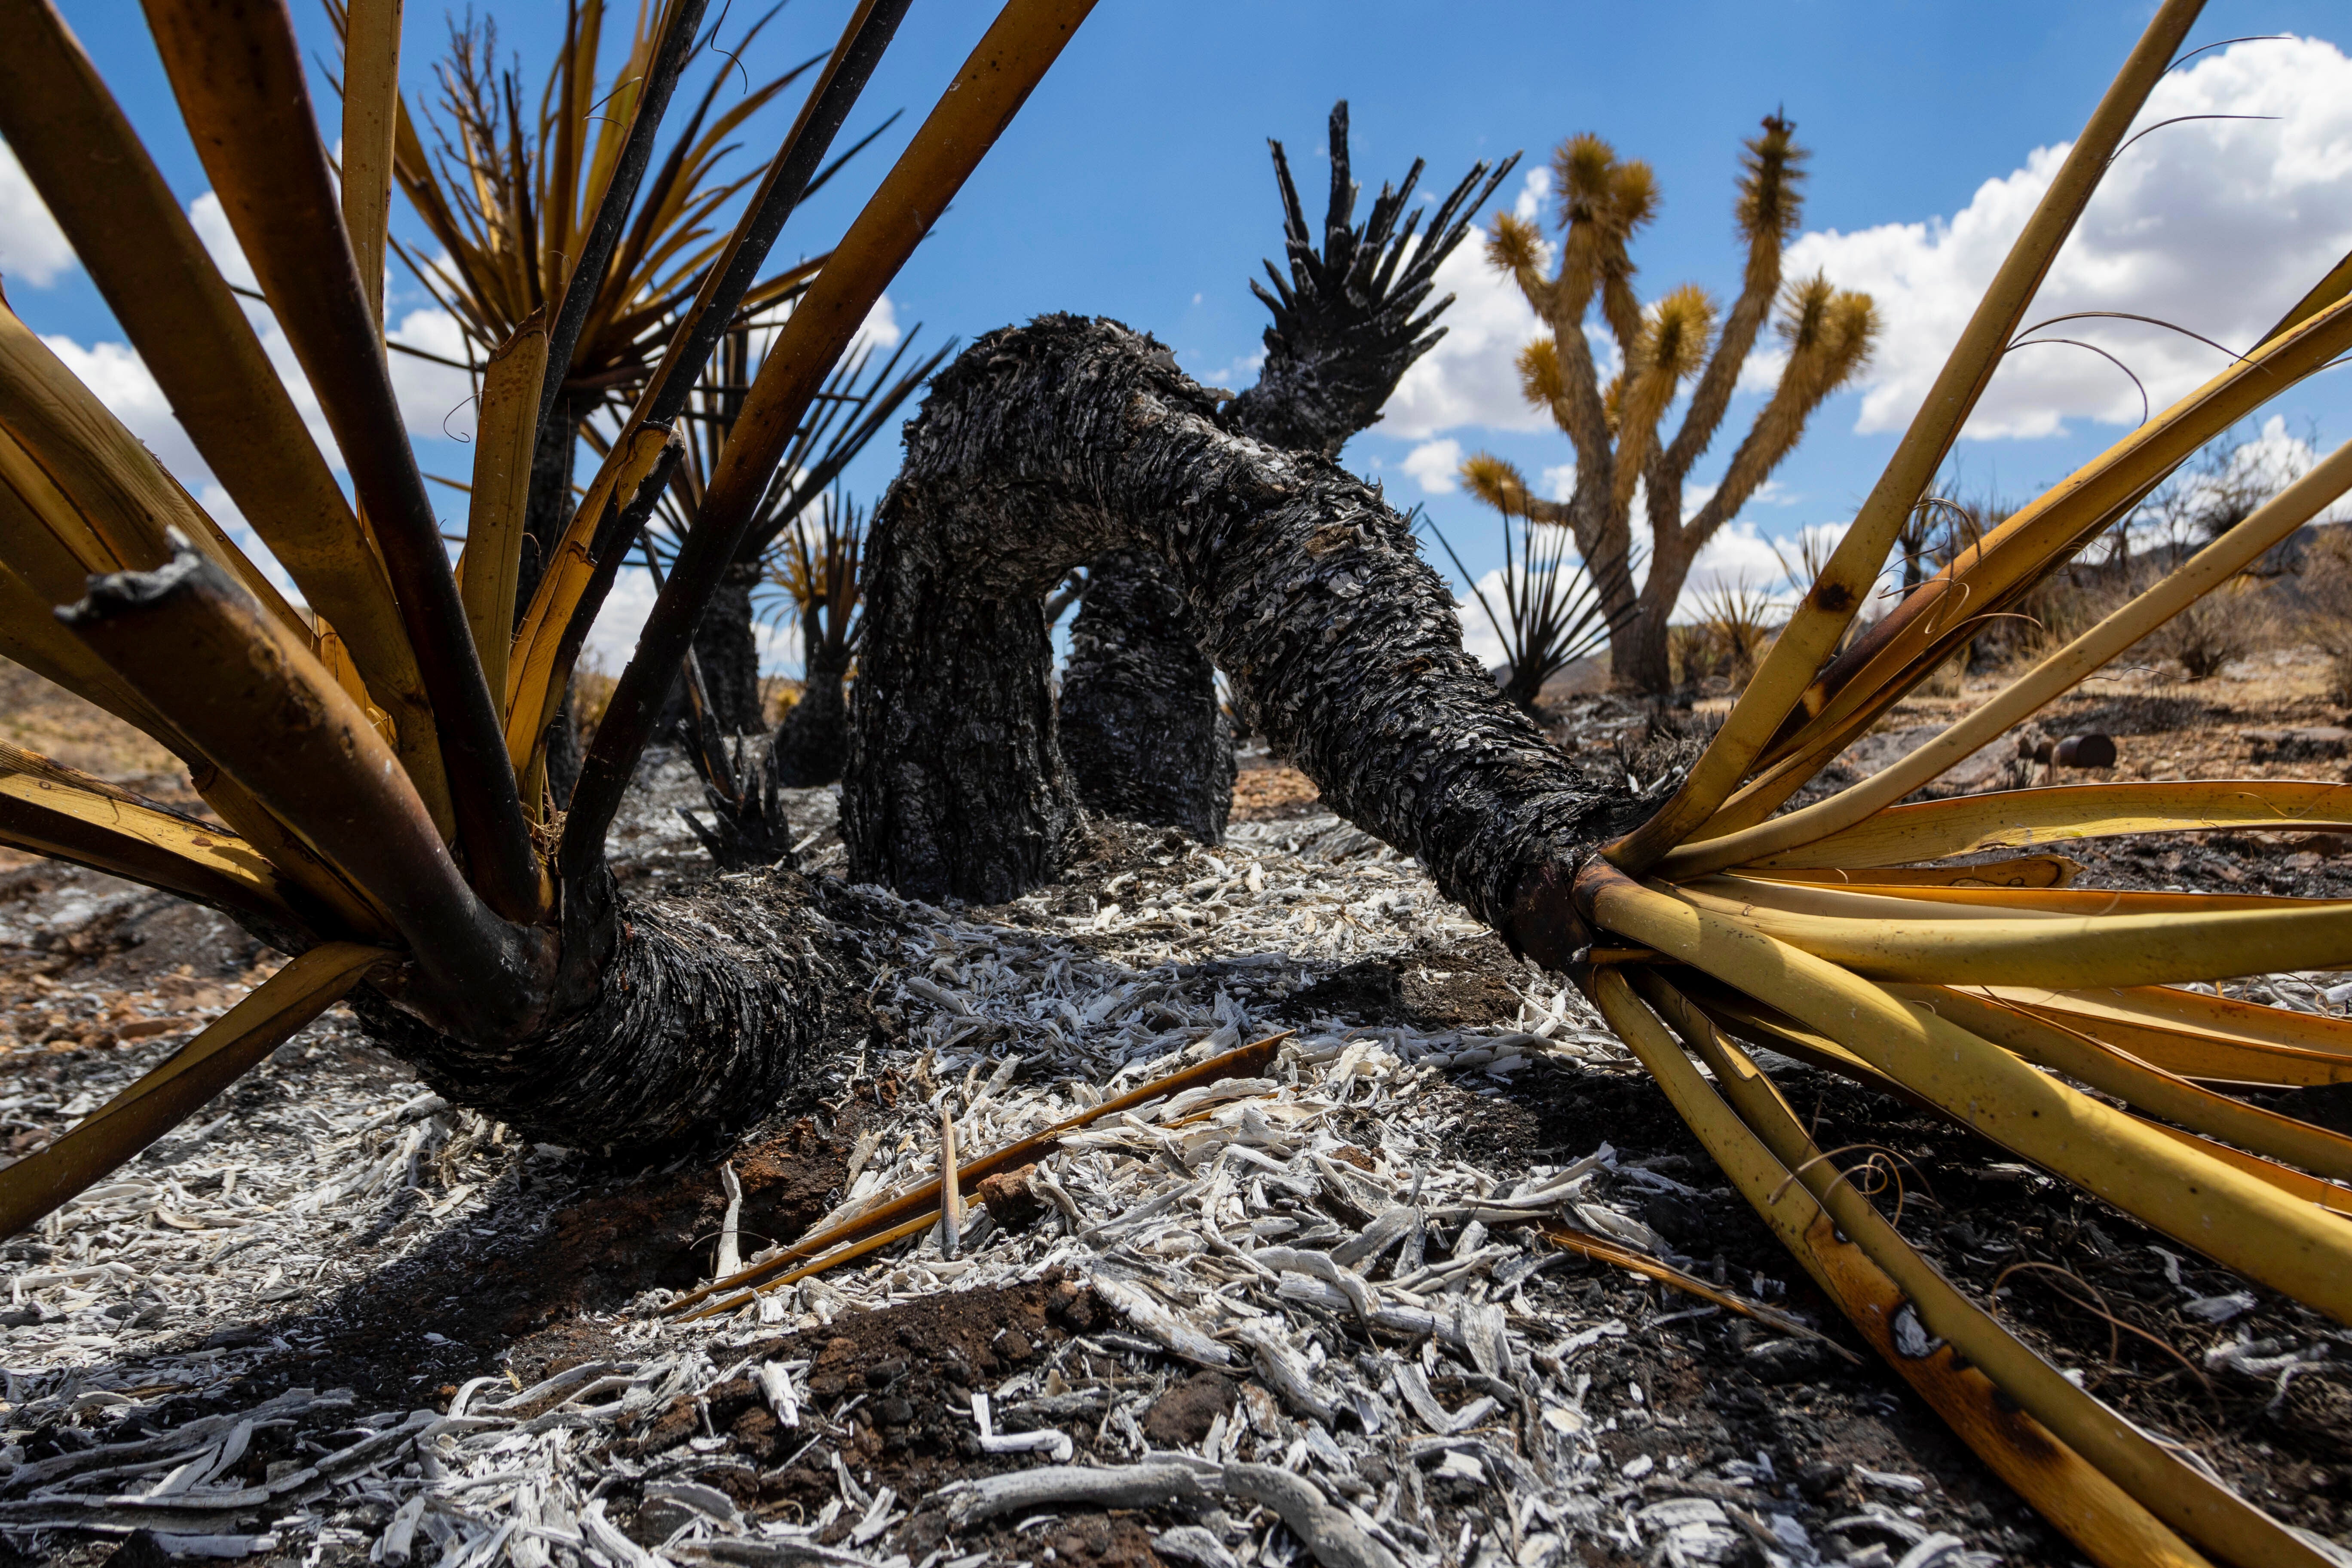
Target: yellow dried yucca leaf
{"x": 2034, "y": 818}
{"x": 1749, "y": 1126}
{"x": 48, "y": 809}
{"x": 2227, "y": 1214}
{"x": 1818, "y": 1217}
{"x": 1821, "y": 617}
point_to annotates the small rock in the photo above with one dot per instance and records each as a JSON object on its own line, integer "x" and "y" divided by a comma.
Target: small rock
{"x": 1182, "y": 1415}
{"x": 1008, "y": 1200}
{"x": 1820, "y": 1478}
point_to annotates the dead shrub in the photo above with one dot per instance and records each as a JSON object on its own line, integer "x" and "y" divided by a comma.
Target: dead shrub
{"x": 2325, "y": 621}
{"x": 2206, "y": 637}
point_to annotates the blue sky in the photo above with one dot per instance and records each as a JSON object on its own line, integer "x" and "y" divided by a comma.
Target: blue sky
{"x": 1135, "y": 183}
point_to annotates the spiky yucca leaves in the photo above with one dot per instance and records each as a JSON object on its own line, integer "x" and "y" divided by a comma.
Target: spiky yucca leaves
{"x": 1848, "y": 932}
{"x": 510, "y": 192}
{"x": 858, "y": 403}
{"x": 499, "y": 962}
{"x": 1345, "y": 323}
{"x": 1552, "y": 609}
{"x": 1603, "y": 202}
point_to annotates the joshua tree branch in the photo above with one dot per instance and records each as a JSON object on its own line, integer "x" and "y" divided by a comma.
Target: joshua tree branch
{"x": 1768, "y": 209}
{"x": 1344, "y": 329}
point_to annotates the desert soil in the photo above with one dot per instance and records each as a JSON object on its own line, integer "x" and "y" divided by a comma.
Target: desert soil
{"x": 330, "y": 1260}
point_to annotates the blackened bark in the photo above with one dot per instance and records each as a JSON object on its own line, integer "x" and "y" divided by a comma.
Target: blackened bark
{"x": 1044, "y": 446}
{"x": 1344, "y": 331}
{"x": 1142, "y": 733}
{"x": 693, "y": 1016}
{"x": 1049, "y": 445}
{"x": 813, "y": 741}
{"x": 730, "y": 653}
{"x": 954, "y": 782}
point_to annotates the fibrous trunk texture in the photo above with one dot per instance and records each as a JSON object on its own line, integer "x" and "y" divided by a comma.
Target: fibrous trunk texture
{"x": 1044, "y": 446}
{"x": 686, "y": 1016}
{"x": 813, "y": 741}
{"x": 1142, "y": 733}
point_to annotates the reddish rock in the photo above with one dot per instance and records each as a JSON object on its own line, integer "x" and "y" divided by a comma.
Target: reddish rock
{"x": 1008, "y": 1200}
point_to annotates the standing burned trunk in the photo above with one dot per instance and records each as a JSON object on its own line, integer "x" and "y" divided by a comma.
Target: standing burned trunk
{"x": 729, "y": 652}
{"x": 1142, "y": 732}
{"x": 1145, "y": 735}
{"x": 954, "y": 783}
{"x": 812, "y": 743}
{"x": 1049, "y": 445}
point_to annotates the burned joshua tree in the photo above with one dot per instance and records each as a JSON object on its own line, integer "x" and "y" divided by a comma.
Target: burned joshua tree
{"x": 404, "y": 872}
{"x": 858, "y": 403}
{"x": 1141, "y": 728}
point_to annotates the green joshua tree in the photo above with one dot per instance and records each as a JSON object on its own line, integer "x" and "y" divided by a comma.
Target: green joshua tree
{"x": 1617, "y": 427}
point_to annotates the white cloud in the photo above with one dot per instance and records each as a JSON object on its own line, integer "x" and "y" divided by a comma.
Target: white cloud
{"x": 1480, "y": 641}
{"x": 1434, "y": 463}
{"x": 2216, "y": 225}
{"x": 434, "y": 399}
{"x": 32, "y": 248}
{"x": 1558, "y": 480}
{"x": 1534, "y": 195}
{"x": 210, "y": 220}
{"x": 122, "y": 382}
{"x": 1471, "y": 377}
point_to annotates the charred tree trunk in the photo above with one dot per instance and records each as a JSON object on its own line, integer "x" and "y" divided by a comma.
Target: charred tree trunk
{"x": 676, "y": 1018}
{"x": 1145, "y": 735}
{"x": 812, "y": 743}
{"x": 1050, "y": 445}
{"x": 1142, "y": 732}
{"x": 1042, "y": 447}
{"x": 730, "y": 653}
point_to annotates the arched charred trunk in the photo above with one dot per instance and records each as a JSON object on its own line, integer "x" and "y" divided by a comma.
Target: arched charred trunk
{"x": 1142, "y": 733}
{"x": 1047, "y": 445}
{"x": 1145, "y": 736}
{"x": 1043, "y": 446}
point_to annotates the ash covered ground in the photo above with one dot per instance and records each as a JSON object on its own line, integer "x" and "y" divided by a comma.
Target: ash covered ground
{"x": 334, "y": 1320}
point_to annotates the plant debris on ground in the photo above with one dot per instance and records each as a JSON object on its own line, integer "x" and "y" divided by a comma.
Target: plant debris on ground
{"x": 334, "y": 1320}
